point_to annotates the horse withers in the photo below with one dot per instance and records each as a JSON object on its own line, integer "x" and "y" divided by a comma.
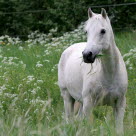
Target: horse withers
{"x": 93, "y": 80}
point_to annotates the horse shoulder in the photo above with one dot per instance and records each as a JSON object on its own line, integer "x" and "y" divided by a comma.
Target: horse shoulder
{"x": 64, "y": 58}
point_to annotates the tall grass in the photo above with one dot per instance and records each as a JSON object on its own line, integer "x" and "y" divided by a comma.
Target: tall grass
{"x": 30, "y": 101}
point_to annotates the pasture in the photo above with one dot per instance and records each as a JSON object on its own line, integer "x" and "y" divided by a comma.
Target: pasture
{"x": 30, "y": 101}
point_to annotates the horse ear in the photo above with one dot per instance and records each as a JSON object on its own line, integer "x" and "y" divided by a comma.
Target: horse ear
{"x": 90, "y": 13}
{"x": 103, "y": 13}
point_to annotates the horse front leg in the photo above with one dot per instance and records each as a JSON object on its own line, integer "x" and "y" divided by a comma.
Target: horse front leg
{"x": 68, "y": 104}
{"x": 119, "y": 110}
{"x": 87, "y": 105}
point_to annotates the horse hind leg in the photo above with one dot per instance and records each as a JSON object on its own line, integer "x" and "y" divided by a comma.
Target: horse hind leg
{"x": 78, "y": 109}
{"x": 68, "y": 103}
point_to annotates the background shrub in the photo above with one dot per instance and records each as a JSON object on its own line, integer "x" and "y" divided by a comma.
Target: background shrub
{"x": 64, "y": 15}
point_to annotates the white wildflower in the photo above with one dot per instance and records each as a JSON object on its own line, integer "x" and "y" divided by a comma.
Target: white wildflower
{"x": 39, "y": 65}
{"x": 39, "y": 81}
{"x": 30, "y": 79}
{"x": 20, "y": 48}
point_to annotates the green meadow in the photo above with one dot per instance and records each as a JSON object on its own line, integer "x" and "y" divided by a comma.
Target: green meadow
{"x": 30, "y": 100}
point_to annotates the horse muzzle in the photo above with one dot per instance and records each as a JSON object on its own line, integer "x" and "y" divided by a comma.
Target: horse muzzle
{"x": 88, "y": 57}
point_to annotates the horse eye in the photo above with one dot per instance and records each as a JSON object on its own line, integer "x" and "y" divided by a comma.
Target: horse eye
{"x": 103, "y": 31}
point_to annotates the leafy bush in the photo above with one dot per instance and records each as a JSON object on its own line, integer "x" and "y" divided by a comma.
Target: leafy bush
{"x": 64, "y": 15}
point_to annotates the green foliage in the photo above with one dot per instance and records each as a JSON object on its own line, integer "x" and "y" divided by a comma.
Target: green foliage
{"x": 65, "y": 15}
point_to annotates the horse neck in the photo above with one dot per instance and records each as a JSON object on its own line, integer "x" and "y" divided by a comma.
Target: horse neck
{"x": 110, "y": 61}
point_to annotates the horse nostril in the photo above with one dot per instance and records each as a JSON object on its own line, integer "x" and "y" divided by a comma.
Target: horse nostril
{"x": 88, "y": 57}
{"x": 87, "y": 54}
{"x": 90, "y": 53}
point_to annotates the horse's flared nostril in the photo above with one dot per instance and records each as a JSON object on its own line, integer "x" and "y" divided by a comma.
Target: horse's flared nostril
{"x": 90, "y": 53}
{"x": 86, "y": 53}
{"x": 88, "y": 57}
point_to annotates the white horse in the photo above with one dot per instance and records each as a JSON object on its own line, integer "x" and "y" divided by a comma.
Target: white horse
{"x": 92, "y": 81}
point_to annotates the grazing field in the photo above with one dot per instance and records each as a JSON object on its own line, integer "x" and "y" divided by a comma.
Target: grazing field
{"x": 30, "y": 101}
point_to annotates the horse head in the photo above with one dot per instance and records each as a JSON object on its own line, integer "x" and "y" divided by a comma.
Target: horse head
{"x": 99, "y": 33}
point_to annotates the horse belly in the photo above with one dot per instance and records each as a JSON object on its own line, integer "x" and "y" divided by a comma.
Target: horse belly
{"x": 73, "y": 76}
